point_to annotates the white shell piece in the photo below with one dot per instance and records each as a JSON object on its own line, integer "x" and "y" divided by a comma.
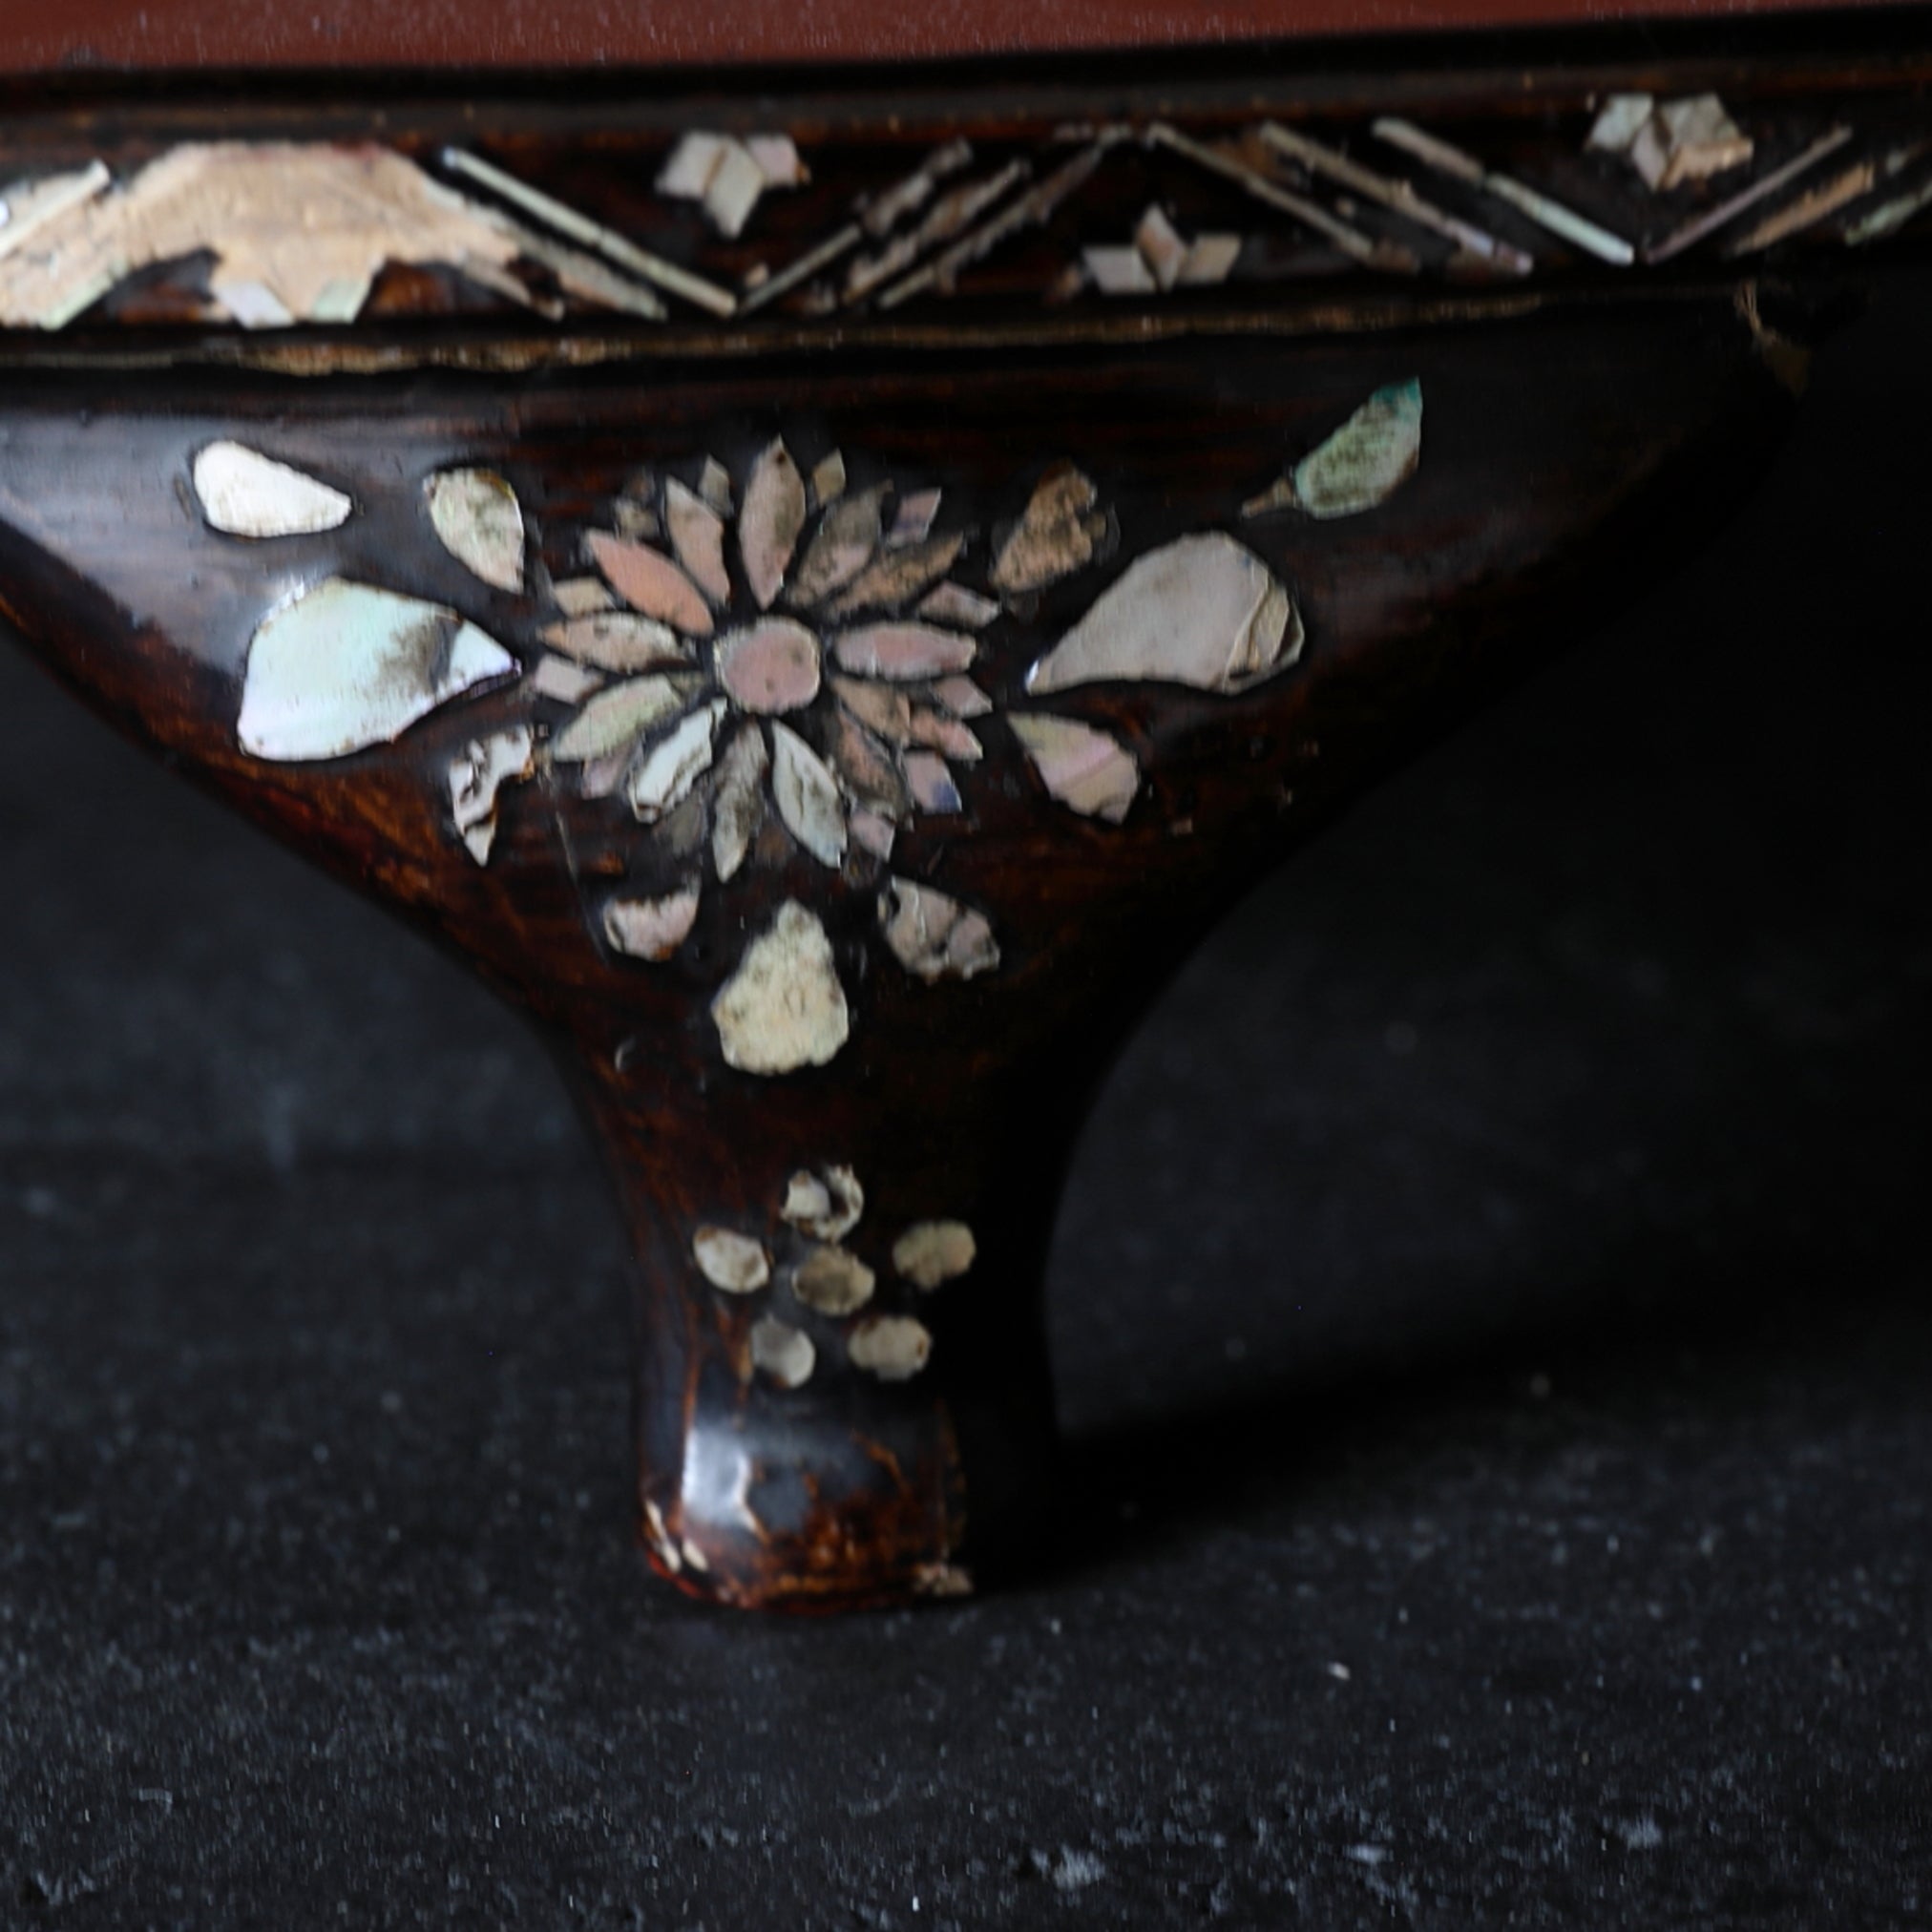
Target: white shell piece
{"x": 651, "y": 929}
{"x": 1119, "y": 271}
{"x": 621, "y": 641}
{"x": 773, "y": 517}
{"x": 245, "y": 493}
{"x": 1087, "y": 771}
{"x": 833, "y": 1281}
{"x": 784, "y": 1352}
{"x": 783, "y": 1008}
{"x": 345, "y": 665}
{"x": 298, "y": 231}
{"x": 913, "y": 520}
{"x": 769, "y": 667}
{"x": 931, "y": 783}
{"x": 563, "y": 679}
{"x": 578, "y": 596}
{"x": 1687, "y": 141}
{"x": 1209, "y": 260}
{"x": 714, "y": 485}
{"x": 828, "y": 480}
{"x": 903, "y": 651}
{"x": 1161, "y": 245}
{"x": 931, "y": 1253}
{"x": 777, "y": 158}
{"x": 734, "y": 188}
{"x": 616, "y": 718}
{"x": 674, "y": 764}
{"x": 1618, "y": 121}
{"x": 1368, "y": 459}
{"x": 1202, "y": 611}
{"x": 698, "y": 536}
{"x": 738, "y": 802}
{"x": 477, "y": 773}
{"x": 687, "y": 173}
{"x": 953, "y": 603}
{"x": 933, "y": 936}
{"x": 480, "y": 522}
{"x": 733, "y": 1262}
{"x": 30, "y": 205}
{"x": 844, "y": 539}
{"x": 808, "y": 796}
{"x": 254, "y": 304}
{"x": 828, "y": 1206}
{"x": 893, "y": 1347}
{"x": 1055, "y": 535}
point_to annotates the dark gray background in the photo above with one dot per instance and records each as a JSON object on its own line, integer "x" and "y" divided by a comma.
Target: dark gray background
{"x": 1490, "y": 1310}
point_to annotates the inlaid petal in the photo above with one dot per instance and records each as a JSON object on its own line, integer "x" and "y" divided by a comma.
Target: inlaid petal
{"x": 620, "y": 642}
{"x": 806, "y": 796}
{"x": 946, "y": 735}
{"x": 784, "y": 1352}
{"x": 1055, "y": 535}
{"x": 615, "y": 718}
{"x": 933, "y": 934}
{"x": 962, "y": 696}
{"x": 931, "y": 1254}
{"x": 893, "y": 1347}
{"x": 1364, "y": 463}
{"x": 903, "y": 651}
{"x": 846, "y": 536}
{"x": 783, "y": 1008}
{"x": 345, "y": 666}
{"x": 674, "y": 764}
{"x": 649, "y": 581}
{"x": 912, "y": 520}
{"x": 866, "y": 769}
{"x": 826, "y": 1205}
{"x": 833, "y": 1281}
{"x": 772, "y": 522}
{"x": 1088, "y": 771}
{"x": 893, "y": 579}
{"x": 477, "y": 775}
{"x": 245, "y": 493}
{"x": 739, "y": 802}
{"x": 953, "y": 603}
{"x": 931, "y": 783}
{"x": 698, "y": 536}
{"x": 651, "y": 929}
{"x": 1203, "y": 610}
{"x": 729, "y": 1260}
{"x": 881, "y": 708}
{"x": 478, "y": 520}
{"x": 563, "y": 679}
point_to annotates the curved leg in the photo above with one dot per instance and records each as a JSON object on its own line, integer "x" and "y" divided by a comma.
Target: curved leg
{"x": 842, "y": 1394}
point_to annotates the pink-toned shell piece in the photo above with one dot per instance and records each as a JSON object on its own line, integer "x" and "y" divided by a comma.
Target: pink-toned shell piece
{"x": 769, "y": 667}
{"x": 649, "y": 581}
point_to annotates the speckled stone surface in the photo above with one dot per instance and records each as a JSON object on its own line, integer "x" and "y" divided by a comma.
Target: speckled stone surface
{"x": 1491, "y": 1313}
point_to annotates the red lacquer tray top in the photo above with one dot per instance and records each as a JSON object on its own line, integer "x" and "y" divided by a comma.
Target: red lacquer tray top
{"x": 159, "y": 34}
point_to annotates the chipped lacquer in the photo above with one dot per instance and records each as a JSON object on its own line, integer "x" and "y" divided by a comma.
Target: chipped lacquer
{"x": 823, "y": 604}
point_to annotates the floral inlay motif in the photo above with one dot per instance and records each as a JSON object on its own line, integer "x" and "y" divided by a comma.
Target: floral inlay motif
{"x": 780, "y": 669}
{"x": 810, "y": 1262}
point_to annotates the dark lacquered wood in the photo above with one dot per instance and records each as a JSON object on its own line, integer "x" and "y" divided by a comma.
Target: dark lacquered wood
{"x": 1576, "y": 437}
